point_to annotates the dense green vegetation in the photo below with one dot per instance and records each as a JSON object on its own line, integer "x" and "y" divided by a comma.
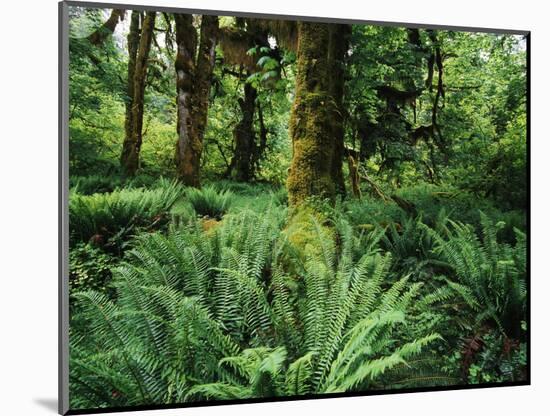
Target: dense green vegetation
{"x": 266, "y": 208}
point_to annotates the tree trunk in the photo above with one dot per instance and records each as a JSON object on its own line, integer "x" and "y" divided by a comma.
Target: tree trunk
{"x": 338, "y": 48}
{"x": 262, "y": 145}
{"x": 139, "y": 45}
{"x": 193, "y": 82}
{"x": 186, "y": 41}
{"x": 245, "y": 137}
{"x": 236, "y": 42}
{"x": 354, "y": 177}
{"x": 316, "y": 142}
{"x": 133, "y": 44}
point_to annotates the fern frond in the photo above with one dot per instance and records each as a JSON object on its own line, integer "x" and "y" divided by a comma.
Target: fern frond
{"x": 298, "y": 375}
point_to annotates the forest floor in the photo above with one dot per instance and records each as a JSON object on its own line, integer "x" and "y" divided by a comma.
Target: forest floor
{"x": 440, "y": 279}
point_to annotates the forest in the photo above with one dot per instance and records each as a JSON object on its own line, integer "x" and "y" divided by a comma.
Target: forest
{"x": 264, "y": 208}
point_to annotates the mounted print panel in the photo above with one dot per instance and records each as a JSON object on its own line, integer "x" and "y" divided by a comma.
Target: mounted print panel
{"x": 262, "y": 208}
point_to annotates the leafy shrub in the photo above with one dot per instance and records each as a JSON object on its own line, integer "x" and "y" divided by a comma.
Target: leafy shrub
{"x": 501, "y": 171}
{"x": 89, "y": 268}
{"x": 499, "y": 360}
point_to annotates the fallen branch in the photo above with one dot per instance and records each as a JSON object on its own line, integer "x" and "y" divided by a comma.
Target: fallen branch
{"x": 404, "y": 204}
{"x": 377, "y": 191}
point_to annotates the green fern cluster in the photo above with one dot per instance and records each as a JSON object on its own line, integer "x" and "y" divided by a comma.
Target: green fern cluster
{"x": 93, "y": 184}
{"x": 490, "y": 276}
{"x": 241, "y": 313}
{"x": 208, "y": 201}
{"x": 119, "y": 212}
{"x": 411, "y": 246}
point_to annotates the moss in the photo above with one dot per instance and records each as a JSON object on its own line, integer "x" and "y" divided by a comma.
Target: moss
{"x": 305, "y": 231}
{"x": 285, "y": 31}
{"x": 209, "y": 225}
{"x": 193, "y": 82}
{"x": 137, "y": 72}
{"x": 235, "y": 44}
{"x": 312, "y": 152}
{"x": 315, "y": 126}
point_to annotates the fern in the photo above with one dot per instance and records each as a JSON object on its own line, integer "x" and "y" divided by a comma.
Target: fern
{"x": 490, "y": 275}
{"x": 244, "y": 312}
{"x": 119, "y": 213}
{"x": 298, "y": 375}
{"x": 209, "y": 202}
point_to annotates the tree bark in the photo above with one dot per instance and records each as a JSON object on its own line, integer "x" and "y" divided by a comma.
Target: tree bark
{"x": 139, "y": 45}
{"x": 354, "y": 177}
{"x": 193, "y": 82}
{"x": 338, "y": 47}
{"x": 186, "y": 41}
{"x": 133, "y": 44}
{"x": 245, "y": 137}
{"x": 262, "y": 145}
{"x": 314, "y": 131}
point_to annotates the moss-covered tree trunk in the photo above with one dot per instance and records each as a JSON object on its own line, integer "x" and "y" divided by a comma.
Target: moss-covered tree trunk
{"x": 338, "y": 47}
{"x": 133, "y": 44}
{"x": 193, "y": 82}
{"x": 186, "y": 149}
{"x": 139, "y": 45}
{"x": 245, "y": 138}
{"x": 315, "y": 124}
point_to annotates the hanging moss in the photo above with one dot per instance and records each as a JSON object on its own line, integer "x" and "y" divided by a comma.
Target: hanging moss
{"x": 235, "y": 43}
{"x": 284, "y": 31}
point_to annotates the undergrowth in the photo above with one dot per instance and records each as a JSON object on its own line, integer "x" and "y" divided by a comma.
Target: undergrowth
{"x": 222, "y": 294}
